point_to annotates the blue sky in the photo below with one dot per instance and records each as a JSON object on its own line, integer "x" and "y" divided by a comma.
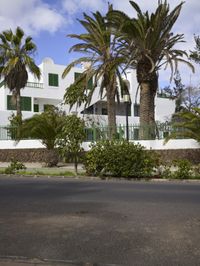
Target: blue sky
{"x": 49, "y": 21}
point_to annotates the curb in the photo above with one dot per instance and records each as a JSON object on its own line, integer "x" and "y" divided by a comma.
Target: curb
{"x": 23, "y": 261}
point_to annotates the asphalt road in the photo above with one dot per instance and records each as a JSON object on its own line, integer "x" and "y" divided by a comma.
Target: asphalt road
{"x": 122, "y": 223}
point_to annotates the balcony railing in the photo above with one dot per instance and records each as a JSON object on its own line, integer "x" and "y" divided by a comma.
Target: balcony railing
{"x": 35, "y": 85}
{"x": 28, "y": 84}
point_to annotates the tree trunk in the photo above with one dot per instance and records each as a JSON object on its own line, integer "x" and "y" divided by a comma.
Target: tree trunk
{"x": 18, "y": 105}
{"x": 147, "y": 109}
{"x": 76, "y": 164}
{"x": 111, "y": 114}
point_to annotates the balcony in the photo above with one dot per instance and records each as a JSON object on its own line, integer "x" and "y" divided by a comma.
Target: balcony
{"x": 28, "y": 84}
{"x": 35, "y": 85}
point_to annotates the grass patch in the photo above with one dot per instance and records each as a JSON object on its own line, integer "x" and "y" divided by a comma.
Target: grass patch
{"x": 42, "y": 172}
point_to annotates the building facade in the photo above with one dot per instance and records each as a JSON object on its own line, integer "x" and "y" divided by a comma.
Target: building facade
{"x": 49, "y": 90}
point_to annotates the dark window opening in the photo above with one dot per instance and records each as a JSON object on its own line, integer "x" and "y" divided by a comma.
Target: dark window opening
{"x": 53, "y": 80}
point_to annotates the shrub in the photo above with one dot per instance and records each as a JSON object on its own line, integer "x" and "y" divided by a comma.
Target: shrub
{"x": 196, "y": 171}
{"x": 14, "y": 167}
{"x": 120, "y": 159}
{"x": 166, "y": 172}
{"x": 184, "y": 169}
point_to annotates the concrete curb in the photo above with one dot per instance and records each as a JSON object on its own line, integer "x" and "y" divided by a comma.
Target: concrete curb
{"x": 23, "y": 261}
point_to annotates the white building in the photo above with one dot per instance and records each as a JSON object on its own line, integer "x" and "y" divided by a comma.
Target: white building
{"x": 51, "y": 88}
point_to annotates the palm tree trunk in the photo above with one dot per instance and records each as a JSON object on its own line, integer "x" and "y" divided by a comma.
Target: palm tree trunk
{"x": 18, "y": 105}
{"x": 147, "y": 107}
{"x": 111, "y": 114}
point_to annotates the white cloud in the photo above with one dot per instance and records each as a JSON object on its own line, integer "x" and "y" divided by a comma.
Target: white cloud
{"x": 75, "y": 6}
{"x": 36, "y": 16}
{"x": 32, "y": 15}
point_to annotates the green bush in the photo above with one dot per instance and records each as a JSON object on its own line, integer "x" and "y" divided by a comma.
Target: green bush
{"x": 120, "y": 159}
{"x": 166, "y": 172}
{"x": 184, "y": 169}
{"x": 14, "y": 167}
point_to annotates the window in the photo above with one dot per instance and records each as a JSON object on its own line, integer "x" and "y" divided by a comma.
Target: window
{"x": 76, "y": 75}
{"x": 104, "y": 111}
{"x": 136, "y": 110}
{"x": 25, "y": 103}
{"x": 90, "y": 81}
{"x": 53, "y": 80}
{"x": 36, "y": 108}
{"x": 11, "y": 105}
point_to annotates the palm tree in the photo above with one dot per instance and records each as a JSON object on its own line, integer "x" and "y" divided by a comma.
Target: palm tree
{"x": 195, "y": 55}
{"x": 186, "y": 125}
{"x": 15, "y": 59}
{"x": 45, "y": 127}
{"x": 149, "y": 44}
{"x": 101, "y": 50}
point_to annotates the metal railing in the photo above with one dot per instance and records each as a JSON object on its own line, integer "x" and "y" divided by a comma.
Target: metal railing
{"x": 135, "y": 132}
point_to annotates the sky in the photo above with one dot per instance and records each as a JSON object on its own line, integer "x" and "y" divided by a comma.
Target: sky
{"x": 50, "y": 21}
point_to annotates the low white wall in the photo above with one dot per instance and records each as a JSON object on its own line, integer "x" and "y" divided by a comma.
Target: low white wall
{"x": 23, "y": 144}
{"x": 148, "y": 144}
{"x": 170, "y": 145}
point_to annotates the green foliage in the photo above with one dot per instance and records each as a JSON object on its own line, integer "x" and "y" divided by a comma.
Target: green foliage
{"x": 166, "y": 172}
{"x": 178, "y": 169}
{"x": 195, "y": 55}
{"x": 14, "y": 128}
{"x": 104, "y": 61}
{"x": 14, "y": 167}
{"x": 69, "y": 140}
{"x": 120, "y": 159}
{"x": 184, "y": 169}
{"x": 196, "y": 169}
{"x": 15, "y": 58}
{"x": 149, "y": 44}
{"x": 45, "y": 127}
{"x": 186, "y": 125}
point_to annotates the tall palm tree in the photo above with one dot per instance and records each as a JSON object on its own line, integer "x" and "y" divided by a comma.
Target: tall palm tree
{"x": 101, "y": 50}
{"x": 15, "y": 59}
{"x": 149, "y": 45}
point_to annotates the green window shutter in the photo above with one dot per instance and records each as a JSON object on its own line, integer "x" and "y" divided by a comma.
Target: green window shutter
{"x": 53, "y": 80}
{"x": 90, "y": 81}
{"x": 36, "y": 108}
{"x": 11, "y": 105}
{"x": 76, "y": 75}
{"x": 26, "y": 103}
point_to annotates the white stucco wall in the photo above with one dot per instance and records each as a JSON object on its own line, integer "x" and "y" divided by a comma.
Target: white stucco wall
{"x": 148, "y": 144}
{"x": 54, "y": 95}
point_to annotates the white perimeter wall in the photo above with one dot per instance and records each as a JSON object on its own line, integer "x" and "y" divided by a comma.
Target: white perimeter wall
{"x": 148, "y": 144}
